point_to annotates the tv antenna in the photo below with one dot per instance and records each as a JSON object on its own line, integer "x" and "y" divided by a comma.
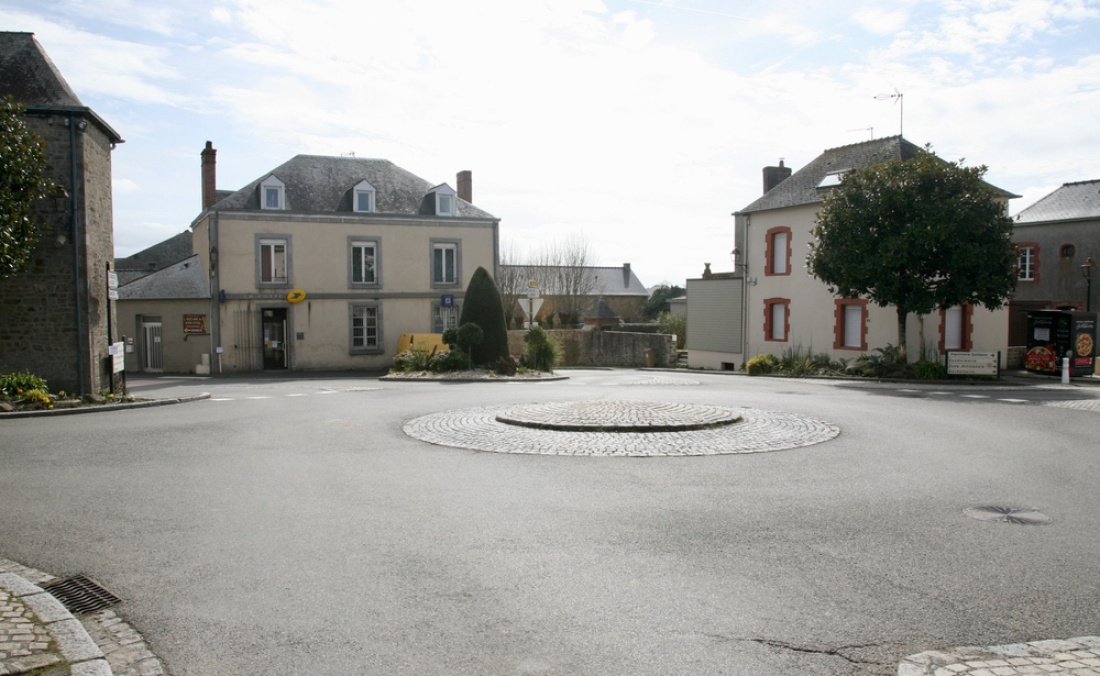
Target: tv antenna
{"x": 901, "y": 107}
{"x": 870, "y": 129}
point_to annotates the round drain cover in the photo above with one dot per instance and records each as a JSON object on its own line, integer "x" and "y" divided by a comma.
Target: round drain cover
{"x": 1022, "y": 517}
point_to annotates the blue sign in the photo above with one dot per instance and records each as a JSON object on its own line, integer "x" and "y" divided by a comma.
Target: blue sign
{"x": 447, "y": 300}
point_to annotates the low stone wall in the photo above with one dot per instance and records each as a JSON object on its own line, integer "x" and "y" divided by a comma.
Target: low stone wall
{"x": 593, "y": 347}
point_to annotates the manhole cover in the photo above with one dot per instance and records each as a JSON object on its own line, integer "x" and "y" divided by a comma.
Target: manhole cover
{"x": 81, "y": 594}
{"x": 1022, "y": 517}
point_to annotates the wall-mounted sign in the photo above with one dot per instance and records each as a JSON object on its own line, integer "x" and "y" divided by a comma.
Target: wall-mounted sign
{"x": 296, "y": 296}
{"x": 194, "y": 324}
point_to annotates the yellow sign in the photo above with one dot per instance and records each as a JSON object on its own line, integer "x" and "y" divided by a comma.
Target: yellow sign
{"x": 533, "y": 283}
{"x": 296, "y": 296}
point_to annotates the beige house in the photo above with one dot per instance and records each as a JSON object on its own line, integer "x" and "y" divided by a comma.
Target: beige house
{"x": 770, "y": 303}
{"x": 323, "y": 262}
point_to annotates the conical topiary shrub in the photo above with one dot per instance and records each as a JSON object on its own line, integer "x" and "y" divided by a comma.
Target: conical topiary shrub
{"x": 482, "y": 306}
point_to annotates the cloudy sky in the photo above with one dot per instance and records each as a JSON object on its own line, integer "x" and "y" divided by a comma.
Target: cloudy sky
{"x": 639, "y": 124}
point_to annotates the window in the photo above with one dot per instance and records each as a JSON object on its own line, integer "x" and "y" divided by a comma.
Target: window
{"x": 273, "y": 260}
{"x": 778, "y": 242}
{"x": 272, "y": 194}
{"x": 444, "y": 263}
{"x": 366, "y": 328}
{"x": 363, "y": 197}
{"x": 955, "y": 328}
{"x": 445, "y": 317}
{"x": 444, "y": 200}
{"x": 777, "y": 323}
{"x": 1027, "y": 262}
{"x": 363, "y": 262}
{"x": 1068, "y": 251}
{"x": 850, "y": 326}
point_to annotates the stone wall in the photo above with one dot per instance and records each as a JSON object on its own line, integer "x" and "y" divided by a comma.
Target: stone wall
{"x": 41, "y": 330}
{"x": 593, "y": 347}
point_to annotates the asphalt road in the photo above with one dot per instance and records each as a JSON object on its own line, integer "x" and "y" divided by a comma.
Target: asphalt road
{"x": 291, "y": 527}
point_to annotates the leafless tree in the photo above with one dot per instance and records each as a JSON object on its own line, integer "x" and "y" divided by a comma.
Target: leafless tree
{"x": 512, "y": 282}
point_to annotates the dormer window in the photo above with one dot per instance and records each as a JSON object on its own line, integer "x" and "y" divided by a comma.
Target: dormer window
{"x": 272, "y": 194}
{"x": 444, "y": 200}
{"x": 363, "y": 198}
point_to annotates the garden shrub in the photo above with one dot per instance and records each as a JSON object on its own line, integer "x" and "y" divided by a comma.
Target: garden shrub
{"x": 483, "y": 307}
{"x": 448, "y": 360}
{"x": 412, "y": 360}
{"x": 13, "y": 384}
{"x": 930, "y": 370}
{"x": 761, "y": 364}
{"x": 541, "y": 352}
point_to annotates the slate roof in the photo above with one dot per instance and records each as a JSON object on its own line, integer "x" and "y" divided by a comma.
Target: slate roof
{"x": 1071, "y": 202}
{"x": 29, "y": 76}
{"x": 319, "y": 184}
{"x": 802, "y": 186}
{"x": 156, "y": 257}
{"x": 605, "y": 281}
{"x": 183, "y": 280}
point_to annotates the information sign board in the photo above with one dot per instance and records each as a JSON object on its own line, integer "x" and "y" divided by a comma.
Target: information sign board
{"x": 194, "y": 324}
{"x": 972, "y": 363}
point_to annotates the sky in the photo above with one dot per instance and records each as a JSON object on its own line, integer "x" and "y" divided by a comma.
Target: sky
{"x": 637, "y": 125}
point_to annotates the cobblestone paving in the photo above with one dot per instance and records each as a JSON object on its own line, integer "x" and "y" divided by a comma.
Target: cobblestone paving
{"x": 759, "y": 431}
{"x": 659, "y": 380}
{"x": 1071, "y": 657}
{"x": 1078, "y": 404}
{"x": 25, "y": 644}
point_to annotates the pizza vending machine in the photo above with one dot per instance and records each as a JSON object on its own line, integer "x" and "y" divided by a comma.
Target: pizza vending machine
{"x": 1054, "y": 334}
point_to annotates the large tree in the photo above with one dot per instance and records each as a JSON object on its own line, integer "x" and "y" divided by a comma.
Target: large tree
{"x": 22, "y": 182}
{"x": 918, "y": 234}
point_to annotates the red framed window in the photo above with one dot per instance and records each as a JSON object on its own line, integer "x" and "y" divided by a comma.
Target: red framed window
{"x": 850, "y": 325}
{"x": 777, "y": 319}
{"x": 956, "y": 329}
{"x": 778, "y": 252}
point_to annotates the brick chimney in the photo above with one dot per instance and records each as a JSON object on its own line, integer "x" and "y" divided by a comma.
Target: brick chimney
{"x": 466, "y": 186}
{"x": 209, "y": 176}
{"x": 773, "y": 176}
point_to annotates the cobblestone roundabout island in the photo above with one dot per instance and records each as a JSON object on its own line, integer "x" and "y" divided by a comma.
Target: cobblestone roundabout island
{"x": 613, "y": 427}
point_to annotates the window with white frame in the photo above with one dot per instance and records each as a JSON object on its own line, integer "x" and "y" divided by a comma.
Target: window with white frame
{"x": 272, "y": 194}
{"x": 444, "y": 200}
{"x": 444, "y": 263}
{"x": 274, "y": 260}
{"x": 445, "y": 317}
{"x": 1027, "y": 262}
{"x": 366, "y": 328}
{"x": 364, "y": 262}
{"x": 363, "y": 198}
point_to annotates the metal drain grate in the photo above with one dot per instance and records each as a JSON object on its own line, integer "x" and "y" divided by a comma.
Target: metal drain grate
{"x": 81, "y": 594}
{"x": 1021, "y": 517}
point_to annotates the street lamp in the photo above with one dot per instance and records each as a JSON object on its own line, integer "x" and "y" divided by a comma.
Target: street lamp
{"x": 1086, "y": 271}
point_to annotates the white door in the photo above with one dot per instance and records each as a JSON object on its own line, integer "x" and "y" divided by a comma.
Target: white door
{"x": 152, "y": 351}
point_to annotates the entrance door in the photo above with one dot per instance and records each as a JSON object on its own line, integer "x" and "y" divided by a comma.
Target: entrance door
{"x": 152, "y": 350}
{"x": 274, "y": 331}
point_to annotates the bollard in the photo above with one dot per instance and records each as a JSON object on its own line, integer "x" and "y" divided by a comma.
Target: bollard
{"x": 1065, "y": 370}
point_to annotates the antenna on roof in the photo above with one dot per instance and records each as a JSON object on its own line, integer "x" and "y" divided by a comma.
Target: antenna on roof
{"x": 350, "y": 153}
{"x": 901, "y": 114}
{"x": 870, "y": 129}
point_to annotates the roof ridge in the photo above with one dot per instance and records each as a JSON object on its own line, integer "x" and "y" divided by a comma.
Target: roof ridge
{"x": 1091, "y": 180}
{"x": 874, "y": 140}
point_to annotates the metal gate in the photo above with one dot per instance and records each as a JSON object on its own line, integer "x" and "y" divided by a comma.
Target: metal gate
{"x": 152, "y": 349}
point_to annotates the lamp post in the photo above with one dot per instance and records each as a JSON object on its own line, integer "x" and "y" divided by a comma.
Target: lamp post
{"x": 1086, "y": 271}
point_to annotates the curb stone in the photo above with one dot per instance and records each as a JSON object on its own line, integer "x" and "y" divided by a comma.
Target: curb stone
{"x": 106, "y": 407}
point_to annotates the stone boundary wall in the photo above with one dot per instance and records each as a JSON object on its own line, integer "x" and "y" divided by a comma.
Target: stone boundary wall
{"x": 593, "y": 347}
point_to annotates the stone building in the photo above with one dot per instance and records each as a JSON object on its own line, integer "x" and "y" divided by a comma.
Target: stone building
{"x": 55, "y": 317}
